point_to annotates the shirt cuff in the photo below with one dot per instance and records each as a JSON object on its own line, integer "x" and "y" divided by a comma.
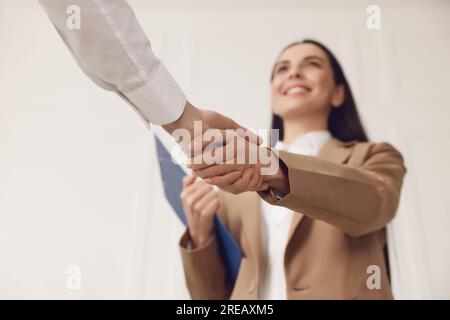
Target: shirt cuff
{"x": 159, "y": 101}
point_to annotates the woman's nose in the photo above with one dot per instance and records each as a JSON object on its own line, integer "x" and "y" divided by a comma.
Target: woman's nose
{"x": 295, "y": 74}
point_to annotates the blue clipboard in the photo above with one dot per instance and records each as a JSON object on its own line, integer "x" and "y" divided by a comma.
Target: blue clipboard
{"x": 172, "y": 175}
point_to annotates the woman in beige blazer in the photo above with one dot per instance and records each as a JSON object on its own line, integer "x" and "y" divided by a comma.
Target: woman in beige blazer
{"x": 341, "y": 196}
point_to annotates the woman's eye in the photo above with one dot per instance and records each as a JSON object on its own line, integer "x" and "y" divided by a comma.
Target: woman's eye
{"x": 281, "y": 69}
{"x": 314, "y": 64}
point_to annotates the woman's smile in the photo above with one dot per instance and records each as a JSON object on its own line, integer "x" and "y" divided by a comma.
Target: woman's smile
{"x": 296, "y": 89}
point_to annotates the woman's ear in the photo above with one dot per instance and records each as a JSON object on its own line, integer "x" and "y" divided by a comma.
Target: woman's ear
{"x": 338, "y": 96}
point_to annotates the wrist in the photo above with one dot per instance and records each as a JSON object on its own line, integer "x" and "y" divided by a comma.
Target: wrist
{"x": 278, "y": 181}
{"x": 199, "y": 241}
{"x": 186, "y": 121}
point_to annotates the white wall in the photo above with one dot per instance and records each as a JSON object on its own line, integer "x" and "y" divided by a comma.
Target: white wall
{"x": 79, "y": 183}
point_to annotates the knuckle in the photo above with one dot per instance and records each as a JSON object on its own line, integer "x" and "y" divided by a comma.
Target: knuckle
{"x": 199, "y": 184}
{"x": 189, "y": 201}
{"x": 197, "y": 207}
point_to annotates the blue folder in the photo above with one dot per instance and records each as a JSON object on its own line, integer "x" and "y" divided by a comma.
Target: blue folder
{"x": 172, "y": 175}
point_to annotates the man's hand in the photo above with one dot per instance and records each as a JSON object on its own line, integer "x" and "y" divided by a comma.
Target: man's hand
{"x": 242, "y": 165}
{"x": 210, "y": 120}
{"x": 198, "y": 124}
{"x": 246, "y": 167}
{"x": 250, "y": 179}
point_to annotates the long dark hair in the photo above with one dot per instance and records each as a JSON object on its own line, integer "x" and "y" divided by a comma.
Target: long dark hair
{"x": 343, "y": 122}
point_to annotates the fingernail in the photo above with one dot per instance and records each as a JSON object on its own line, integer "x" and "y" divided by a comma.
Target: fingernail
{"x": 208, "y": 180}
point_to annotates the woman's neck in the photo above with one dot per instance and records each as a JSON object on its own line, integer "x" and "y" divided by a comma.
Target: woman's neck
{"x": 293, "y": 128}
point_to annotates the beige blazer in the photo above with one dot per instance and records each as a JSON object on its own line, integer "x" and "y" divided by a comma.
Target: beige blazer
{"x": 343, "y": 198}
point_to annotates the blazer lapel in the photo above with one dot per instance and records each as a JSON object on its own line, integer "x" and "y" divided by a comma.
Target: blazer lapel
{"x": 336, "y": 151}
{"x": 333, "y": 150}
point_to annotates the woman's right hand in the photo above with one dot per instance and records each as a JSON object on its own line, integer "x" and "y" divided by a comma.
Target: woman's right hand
{"x": 200, "y": 202}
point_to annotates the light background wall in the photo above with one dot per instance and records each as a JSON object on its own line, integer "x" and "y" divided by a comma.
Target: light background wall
{"x": 79, "y": 182}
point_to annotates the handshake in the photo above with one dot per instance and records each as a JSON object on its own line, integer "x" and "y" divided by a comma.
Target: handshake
{"x": 225, "y": 154}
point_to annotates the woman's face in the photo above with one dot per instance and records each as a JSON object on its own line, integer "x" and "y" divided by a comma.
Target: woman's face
{"x": 303, "y": 83}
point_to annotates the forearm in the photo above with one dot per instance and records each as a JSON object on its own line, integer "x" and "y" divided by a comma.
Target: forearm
{"x": 357, "y": 200}
{"x": 113, "y": 50}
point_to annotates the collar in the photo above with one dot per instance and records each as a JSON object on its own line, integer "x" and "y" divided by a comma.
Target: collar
{"x": 308, "y": 143}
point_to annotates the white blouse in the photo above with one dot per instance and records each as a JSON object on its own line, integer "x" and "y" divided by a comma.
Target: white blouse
{"x": 276, "y": 222}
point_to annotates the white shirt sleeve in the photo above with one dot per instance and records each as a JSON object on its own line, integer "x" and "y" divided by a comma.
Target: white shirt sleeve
{"x": 112, "y": 49}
